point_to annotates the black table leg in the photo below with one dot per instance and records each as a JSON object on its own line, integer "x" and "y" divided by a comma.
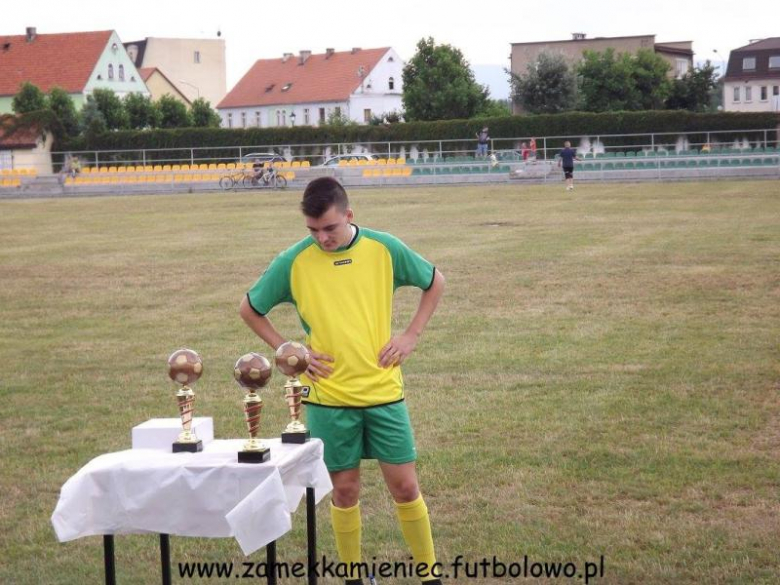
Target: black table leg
{"x": 270, "y": 561}
{"x": 311, "y": 535}
{"x": 165, "y": 558}
{"x": 108, "y": 559}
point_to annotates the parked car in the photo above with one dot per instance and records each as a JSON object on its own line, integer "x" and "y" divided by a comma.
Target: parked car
{"x": 262, "y": 157}
{"x": 334, "y": 160}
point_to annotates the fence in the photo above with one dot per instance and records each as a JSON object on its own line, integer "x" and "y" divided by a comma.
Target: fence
{"x": 440, "y": 151}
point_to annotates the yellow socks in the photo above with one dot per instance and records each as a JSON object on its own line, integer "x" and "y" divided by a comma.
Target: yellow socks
{"x": 346, "y": 529}
{"x": 416, "y": 528}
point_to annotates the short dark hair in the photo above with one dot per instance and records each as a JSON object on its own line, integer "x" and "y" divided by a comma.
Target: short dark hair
{"x": 321, "y": 194}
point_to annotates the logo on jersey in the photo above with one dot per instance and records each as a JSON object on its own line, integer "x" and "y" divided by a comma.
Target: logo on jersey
{"x": 342, "y": 262}
{"x": 305, "y": 391}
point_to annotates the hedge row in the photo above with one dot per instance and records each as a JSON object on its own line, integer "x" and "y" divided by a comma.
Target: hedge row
{"x": 572, "y": 125}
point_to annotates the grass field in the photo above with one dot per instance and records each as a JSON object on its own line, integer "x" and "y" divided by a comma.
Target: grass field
{"x": 601, "y": 377}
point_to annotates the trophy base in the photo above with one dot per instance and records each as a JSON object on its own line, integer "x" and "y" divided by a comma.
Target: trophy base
{"x": 297, "y": 438}
{"x": 260, "y": 456}
{"x": 187, "y": 447}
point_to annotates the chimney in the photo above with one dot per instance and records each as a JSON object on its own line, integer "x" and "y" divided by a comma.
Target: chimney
{"x": 578, "y": 36}
{"x": 286, "y": 57}
{"x": 329, "y": 53}
{"x": 31, "y": 34}
{"x": 355, "y": 50}
{"x": 303, "y": 57}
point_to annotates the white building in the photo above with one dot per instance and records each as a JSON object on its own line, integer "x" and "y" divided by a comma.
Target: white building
{"x": 306, "y": 90}
{"x": 752, "y": 82}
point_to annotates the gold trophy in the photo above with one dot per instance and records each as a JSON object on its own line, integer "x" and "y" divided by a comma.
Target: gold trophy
{"x": 252, "y": 371}
{"x": 292, "y": 358}
{"x": 184, "y": 368}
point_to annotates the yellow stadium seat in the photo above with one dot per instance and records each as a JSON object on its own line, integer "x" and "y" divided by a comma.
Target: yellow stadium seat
{"x": 387, "y": 172}
{"x": 68, "y": 180}
{"x": 381, "y": 161}
{"x": 166, "y": 168}
{"x": 121, "y": 169}
{"x": 157, "y": 169}
{"x": 212, "y": 166}
{"x": 221, "y": 166}
{"x": 111, "y": 169}
{"x": 295, "y": 164}
{"x": 390, "y": 161}
{"x": 7, "y": 172}
{"x": 407, "y": 171}
{"x": 148, "y": 168}
{"x": 400, "y": 161}
{"x": 368, "y": 173}
{"x": 204, "y": 167}
{"x": 231, "y": 166}
{"x": 343, "y": 163}
{"x": 185, "y": 167}
{"x": 175, "y": 168}
{"x": 305, "y": 164}
{"x": 398, "y": 172}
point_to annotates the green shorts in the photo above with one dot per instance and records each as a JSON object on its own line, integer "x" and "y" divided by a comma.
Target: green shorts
{"x": 351, "y": 434}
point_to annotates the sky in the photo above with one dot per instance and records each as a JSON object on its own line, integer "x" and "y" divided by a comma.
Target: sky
{"x": 258, "y": 29}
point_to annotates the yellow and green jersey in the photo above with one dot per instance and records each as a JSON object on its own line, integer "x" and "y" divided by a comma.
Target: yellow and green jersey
{"x": 344, "y": 300}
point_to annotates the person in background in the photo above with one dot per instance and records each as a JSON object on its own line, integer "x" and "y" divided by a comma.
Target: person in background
{"x": 483, "y": 138}
{"x": 566, "y": 159}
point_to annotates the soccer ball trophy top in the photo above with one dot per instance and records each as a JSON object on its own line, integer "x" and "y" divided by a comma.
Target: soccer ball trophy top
{"x": 292, "y": 359}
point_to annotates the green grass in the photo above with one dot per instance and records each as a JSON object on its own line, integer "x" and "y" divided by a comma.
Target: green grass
{"x": 601, "y": 377}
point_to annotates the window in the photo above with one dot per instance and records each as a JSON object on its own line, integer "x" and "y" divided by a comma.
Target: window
{"x": 681, "y": 67}
{"x": 284, "y": 117}
{"x": 243, "y": 119}
{"x": 367, "y": 115}
{"x": 230, "y": 120}
{"x": 110, "y": 71}
{"x": 776, "y": 90}
{"x": 306, "y": 120}
{"x": 121, "y": 73}
{"x": 322, "y": 115}
{"x": 391, "y": 84}
{"x": 764, "y": 93}
{"x": 257, "y": 119}
{"x": 748, "y": 63}
{"x": 736, "y": 94}
{"x": 281, "y": 117}
{"x": 337, "y": 111}
{"x": 287, "y": 87}
{"x": 774, "y": 62}
{"x": 748, "y": 93}
{"x": 196, "y": 57}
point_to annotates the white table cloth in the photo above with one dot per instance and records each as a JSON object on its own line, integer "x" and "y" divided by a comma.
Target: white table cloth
{"x": 192, "y": 494}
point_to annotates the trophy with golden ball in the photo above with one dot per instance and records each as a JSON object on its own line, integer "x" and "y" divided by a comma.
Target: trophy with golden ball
{"x": 184, "y": 368}
{"x": 252, "y": 371}
{"x": 292, "y": 358}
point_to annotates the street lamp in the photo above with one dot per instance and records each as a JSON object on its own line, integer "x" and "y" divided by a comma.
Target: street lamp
{"x": 195, "y": 87}
{"x": 292, "y": 118}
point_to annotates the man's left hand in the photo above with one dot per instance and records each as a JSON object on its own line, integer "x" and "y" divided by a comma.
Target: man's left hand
{"x": 397, "y": 350}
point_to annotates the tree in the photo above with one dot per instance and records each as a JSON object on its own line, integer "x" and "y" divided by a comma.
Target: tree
{"x": 29, "y": 99}
{"x": 495, "y": 109}
{"x": 142, "y": 112}
{"x": 439, "y": 84}
{"x": 203, "y": 115}
{"x": 112, "y": 108}
{"x": 339, "y": 119}
{"x": 606, "y": 82}
{"x": 91, "y": 120}
{"x": 63, "y": 108}
{"x": 548, "y": 87}
{"x": 173, "y": 113}
{"x": 650, "y": 76}
{"x": 693, "y": 91}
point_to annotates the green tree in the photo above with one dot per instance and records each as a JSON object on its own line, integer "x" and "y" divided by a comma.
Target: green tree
{"x": 173, "y": 113}
{"x": 29, "y": 99}
{"x": 693, "y": 91}
{"x": 606, "y": 82}
{"x": 62, "y": 106}
{"x": 439, "y": 84}
{"x": 495, "y": 109}
{"x": 203, "y": 115}
{"x": 548, "y": 87}
{"x": 91, "y": 119}
{"x": 339, "y": 119}
{"x": 650, "y": 76}
{"x": 112, "y": 108}
{"x": 142, "y": 112}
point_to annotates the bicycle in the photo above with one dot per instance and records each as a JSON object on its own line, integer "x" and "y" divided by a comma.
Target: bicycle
{"x": 269, "y": 178}
{"x": 229, "y": 182}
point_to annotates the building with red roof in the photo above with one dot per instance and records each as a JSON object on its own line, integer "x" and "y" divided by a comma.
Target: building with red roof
{"x": 308, "y": 89}
{"x": 78, "y": 62}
